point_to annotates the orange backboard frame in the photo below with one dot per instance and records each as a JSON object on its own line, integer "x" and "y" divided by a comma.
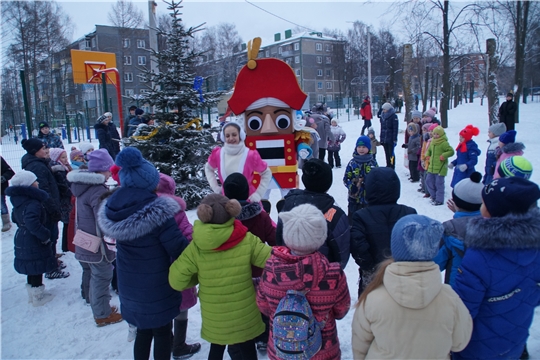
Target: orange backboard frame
{"x": 85, "y": 62}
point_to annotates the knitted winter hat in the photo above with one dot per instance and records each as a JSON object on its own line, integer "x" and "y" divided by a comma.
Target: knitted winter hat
{"x": 241, "y": 131}
{"x": 387, "y": 106}
{"x": 99, "y": 161}
{"x": 166, "y": 184}
{"x": 218, "y": 209}
{"x": 32, "y": 145}
{"x": 363, "y": 141}
{"x": 416, "y": 114}
{"x": 23, "y": 178}
{"x": 432, "y": 126}
{"x": 515, "y": 166}
{"x": 136, "y": 172}
{"x": 414, "y": 128}
{"x": 43, "y": 124}
{"x": 429, "y": 113}
{"x": 85, "y": 147}
{"x": 132, "y": 107}
{"x": 508, "y": 137}
{"x": 55, "y": 153}
{"x": 425, "y": 128}
{"x": 139, "y": 111}
{"x": 304, "y": 229}
{"x": 75, "y": 154}
{"x": 439, "y": 130}
{"x": 104, "y": 117}
{"x": 510, "y": 95}
{"x": 371, "y": 131}
{"x": 467, "y": 193}
{"x": 498, "y": 128}
{"x": 317, "y": 176}
{"x": 510, "y": 195}
{"x": 236, "y": 187}
{"x": 469, "y": 132}
{"x": 416, "y": 238}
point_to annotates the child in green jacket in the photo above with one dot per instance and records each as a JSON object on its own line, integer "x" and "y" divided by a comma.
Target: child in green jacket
{"x": 438, "y": 152}
{"x": 219, "y": 259}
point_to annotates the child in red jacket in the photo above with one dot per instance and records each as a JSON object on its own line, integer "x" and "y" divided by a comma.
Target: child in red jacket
{"x": 299, "y": 266}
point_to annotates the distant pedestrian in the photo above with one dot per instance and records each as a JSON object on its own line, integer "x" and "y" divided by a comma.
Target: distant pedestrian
{"x": 507, "y": 112}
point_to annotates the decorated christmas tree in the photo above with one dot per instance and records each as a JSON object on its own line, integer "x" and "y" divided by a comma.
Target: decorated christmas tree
{"x": 177, "y": 145}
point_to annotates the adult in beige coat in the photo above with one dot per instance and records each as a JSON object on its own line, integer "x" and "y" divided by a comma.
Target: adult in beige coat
{"x": 407, "y": 312}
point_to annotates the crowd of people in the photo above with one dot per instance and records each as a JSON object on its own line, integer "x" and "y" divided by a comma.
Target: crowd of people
{"x": 256, "y": 279}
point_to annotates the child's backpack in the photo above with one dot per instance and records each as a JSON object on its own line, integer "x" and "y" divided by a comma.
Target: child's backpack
{"x": 297, "y": 334}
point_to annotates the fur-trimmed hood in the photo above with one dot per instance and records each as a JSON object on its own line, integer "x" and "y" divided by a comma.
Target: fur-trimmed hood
{"x": 20, "y": 194}
{"x": 513, "y": 231}
{"x": 82, "y": 180}
{"x": 513, "y": 148}
{"x": 249, "y": 210}
{"x": 141, "y": 222}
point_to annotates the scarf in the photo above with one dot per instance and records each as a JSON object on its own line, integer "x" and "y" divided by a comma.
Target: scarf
{"x": 440, "y": 140}
{"x": 462, "y": 147}
{"x": 234, "y": 149}
{"x": 362, "y": 159}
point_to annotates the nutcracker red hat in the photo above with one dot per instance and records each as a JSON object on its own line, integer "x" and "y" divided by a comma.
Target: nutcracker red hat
{"x": 265, "y": 78}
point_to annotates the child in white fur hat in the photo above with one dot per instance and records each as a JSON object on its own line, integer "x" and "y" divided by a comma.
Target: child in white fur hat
{"x": 299, "y": 266}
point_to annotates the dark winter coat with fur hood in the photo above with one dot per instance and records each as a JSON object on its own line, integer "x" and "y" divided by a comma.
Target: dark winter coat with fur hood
{"x": 33, "y": 248}
{"x": 498, "y": 281}
{"x": 88, "y": 187}
{"x": 260, "y": 224}
{"x": 147, "y": 241}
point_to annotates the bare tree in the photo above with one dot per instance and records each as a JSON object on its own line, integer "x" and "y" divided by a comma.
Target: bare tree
{"x": 125, "y": 14}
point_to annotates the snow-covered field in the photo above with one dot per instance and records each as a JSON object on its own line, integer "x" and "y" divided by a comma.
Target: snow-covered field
{"x": 64, "y": 328}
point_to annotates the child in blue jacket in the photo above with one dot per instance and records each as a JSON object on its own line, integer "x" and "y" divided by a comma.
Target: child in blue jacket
{"x": 467, "y": 155}
{"x": 355, "y": 173}
{"x": 500, "y": 272}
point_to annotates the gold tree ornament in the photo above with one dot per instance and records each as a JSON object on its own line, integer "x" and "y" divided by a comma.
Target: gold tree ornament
{"x": 253, "y": 47}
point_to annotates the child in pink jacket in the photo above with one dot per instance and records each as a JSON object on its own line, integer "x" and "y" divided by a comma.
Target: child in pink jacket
{"x": 508, "y": 147}
{"x": 181, "y": 350}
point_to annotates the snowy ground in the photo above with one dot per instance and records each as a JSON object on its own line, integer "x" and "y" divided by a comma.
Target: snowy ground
{"x": 64, "y": 328}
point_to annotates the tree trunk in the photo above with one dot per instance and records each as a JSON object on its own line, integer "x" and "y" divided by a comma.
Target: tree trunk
{"x": 424, "y": 98}
{"x": 492, "y": 91}
{"x": 522, "y": 17}
{"x": 407, "y": 83}
{"x": 445, "y": 96}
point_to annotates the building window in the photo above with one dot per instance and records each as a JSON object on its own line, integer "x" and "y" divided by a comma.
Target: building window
{"x": 127, "y": 43}
{"x": 328, "y": 72}
{"x": 142, "y": 78}
{"x": 297, "y": 59}
{"x": 93, "y": 42}
{"x": 130, "y": 92}
{"x": 88, "y": 43}
{"x": 127, "y": 60}
{"x": 329, "y": 47}
{"x": 141, "y": 44}
{"x": 318, "y": 46}
{"x": 144, "y": 91}
{"x": 297, "y": 71}
{"x": 279, "y": 50}
{"x": 319, "y": 59}
{"x": 319, "y": 72}
{"x": 328, "y": 60}
{"x": 319, "y": 85}
{"x": 288, "y": 61}
{"x": 328, "y": 85}
{"x": 128, "y": 77}
{"x": 296, "y": 46}
{"x": 320, "y": 98}
{"x": 329, "y": 97}
{"x": 267, "y": 53}
{"x": 141, "y": 60}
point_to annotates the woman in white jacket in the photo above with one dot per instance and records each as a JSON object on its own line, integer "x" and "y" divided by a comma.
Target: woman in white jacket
{"x": 406, "y": 312}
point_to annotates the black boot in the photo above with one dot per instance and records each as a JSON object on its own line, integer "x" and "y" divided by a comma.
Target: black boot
{"x": 181, "y": 350}
{"x": 525, "y": 354}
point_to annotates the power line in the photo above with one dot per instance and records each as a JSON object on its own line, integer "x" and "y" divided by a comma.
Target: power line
{"x": 279, "y": 17}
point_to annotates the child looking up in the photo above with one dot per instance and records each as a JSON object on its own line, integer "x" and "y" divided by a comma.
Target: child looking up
{"x": 355, "y": 173}
{"x": 467, "y": 155}
{"x": 437, "y": 154}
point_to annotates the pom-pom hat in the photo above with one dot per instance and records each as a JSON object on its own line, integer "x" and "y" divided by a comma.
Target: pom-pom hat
{"x": 317, "y": 176}
{"x": 218, "y": 209}
{"x": 416, "y": 238}
{"x": 55, "y": 153}
{"x": 32, "y": 145}
{"x": 304, "y": 229}
{"x": 510, "y": 195}
{"x": 136, "y": 172}
{"x": 515, "y": 166}
{"x": 23, "y": 178}
{"x": 469, "y": 132}
{"x": 100, "y": 161}
{"x": 467, "y": 194}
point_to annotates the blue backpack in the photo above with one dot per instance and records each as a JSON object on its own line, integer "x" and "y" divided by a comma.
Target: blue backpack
{"x": 296, "y": 332}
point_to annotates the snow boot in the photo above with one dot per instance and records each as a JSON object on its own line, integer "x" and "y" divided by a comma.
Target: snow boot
{"x": 181, "y": 350}
{"x": 39, "y": 296}
{"x": 6, "y": 224}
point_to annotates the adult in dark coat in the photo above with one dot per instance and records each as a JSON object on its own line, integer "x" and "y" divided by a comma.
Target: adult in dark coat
{"x": 107, "y": 134}
{"x": 148, "y": 241}
{"x": 135, "y": 121}
{"x": 323, "y": 127}
{"x": 389, "y": 133}
{"x": 372, "y": 226}
{"x": 130, "y": 116}
{"x": 7, "y": 174}
{"x": 507, "y": 112}
{"x": 33, "y": 247}
{"x": 317, "y": 179}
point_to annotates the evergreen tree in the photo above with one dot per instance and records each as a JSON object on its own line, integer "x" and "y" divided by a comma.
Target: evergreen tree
{"x": 177, "y": 145}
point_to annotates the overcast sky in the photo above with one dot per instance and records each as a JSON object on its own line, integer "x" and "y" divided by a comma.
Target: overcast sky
{"x": 250, "y": 20}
